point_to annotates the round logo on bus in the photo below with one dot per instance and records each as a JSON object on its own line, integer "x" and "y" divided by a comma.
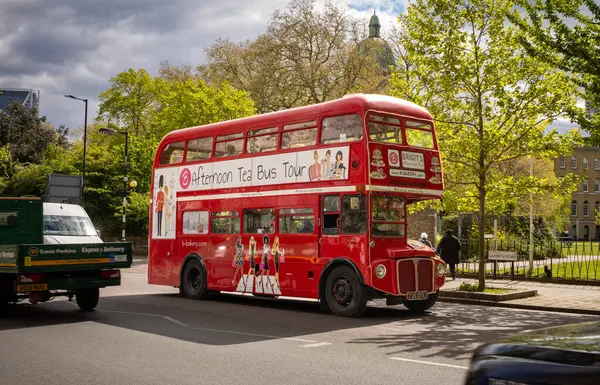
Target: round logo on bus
{"x": 185, "y": 178}
{"x": 394, "y": 158}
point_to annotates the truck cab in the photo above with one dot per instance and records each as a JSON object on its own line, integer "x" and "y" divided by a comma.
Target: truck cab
{"x": 68, "y": 223}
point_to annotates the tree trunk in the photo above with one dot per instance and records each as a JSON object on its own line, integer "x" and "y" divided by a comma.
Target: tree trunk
{"x": 481, "y": 248}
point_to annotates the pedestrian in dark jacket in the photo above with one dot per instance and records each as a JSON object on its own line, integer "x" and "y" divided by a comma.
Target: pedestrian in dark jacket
{"x": 449, "y": 250}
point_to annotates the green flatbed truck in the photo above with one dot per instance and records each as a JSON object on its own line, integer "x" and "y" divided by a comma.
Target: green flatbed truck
{"x": 38, "y": 262}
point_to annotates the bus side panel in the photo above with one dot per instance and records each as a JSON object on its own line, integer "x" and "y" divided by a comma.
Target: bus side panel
{"x": 299, "y": 273}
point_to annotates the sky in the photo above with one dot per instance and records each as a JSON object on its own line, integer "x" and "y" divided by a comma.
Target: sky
{"x": 76, "y": 46}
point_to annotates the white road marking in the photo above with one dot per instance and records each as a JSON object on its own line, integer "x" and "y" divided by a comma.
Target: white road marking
{"x": 173, "y": 320}
{"x": 316, "y": 345}
{"x": 428, "y": 363}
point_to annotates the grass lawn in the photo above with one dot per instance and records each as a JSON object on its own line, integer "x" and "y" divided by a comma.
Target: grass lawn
{"x": 474, "y": 288}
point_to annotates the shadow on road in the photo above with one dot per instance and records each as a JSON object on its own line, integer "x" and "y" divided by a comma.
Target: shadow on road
{"x": 456, "y": 330}
{"x": 220, "y": 320}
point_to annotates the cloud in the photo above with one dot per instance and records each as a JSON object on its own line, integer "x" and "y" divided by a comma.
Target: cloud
{"x": 76, "y": 46}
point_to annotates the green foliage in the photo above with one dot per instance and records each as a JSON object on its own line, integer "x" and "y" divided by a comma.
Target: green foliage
{"x": 26, "y": 135}
{"x": 475, "y": 288}
{"x": 492, "y": 101}
{"x": 565, "y": 34}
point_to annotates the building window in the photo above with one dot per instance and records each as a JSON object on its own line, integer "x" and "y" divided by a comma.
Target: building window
{"x": 574, "y": 232}
{"x": 574, "y": 163}
{"x": 597, "y": 164}
{"x": 586, "y": 211}
{"x": 597, "y": 233}
{"x": 596, "y": 208}
{"x": 585, "y": 185}
{"x": 586, "y": 233}
{"x": 574, "y": 208}
{"x": 561, "y": 162}
{"x": 597, "y": 185}
{"x": 585, "y": 163}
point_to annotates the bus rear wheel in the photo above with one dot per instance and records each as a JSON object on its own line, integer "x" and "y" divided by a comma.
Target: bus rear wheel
{"x": 422, "y": 305}
{"x": 193, "y": 280}
{"x": 344, "y": 293}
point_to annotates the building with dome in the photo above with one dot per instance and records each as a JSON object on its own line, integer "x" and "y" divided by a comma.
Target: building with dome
{"x": 375, "y": 45}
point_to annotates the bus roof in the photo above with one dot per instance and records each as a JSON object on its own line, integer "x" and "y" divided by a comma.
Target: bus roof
{"x": 363, "y": 102}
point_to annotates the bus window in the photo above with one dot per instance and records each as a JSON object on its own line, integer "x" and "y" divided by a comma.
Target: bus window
{"x": 387, "y": 216}
{"x": 384, "y": 129}
{"x": 229, "y": 148}
{"x": 345, "y": 128}
{"x": 331, "y": 215}
{"x": 354, "y": 218}
{"x": 301, "y": 136}
{"x": 199, "y": 149}
{"x": 259, "y": 221}
{"x": 262, "y": 140}
{"x": 419, "y": 134}
{"x": 172, "y": 153}
{"x": 296, "y": 221}
{"x": 195, "y": 222}
{"x": 225, "y": 222}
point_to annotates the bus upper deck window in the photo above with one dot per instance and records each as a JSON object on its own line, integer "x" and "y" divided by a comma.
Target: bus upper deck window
{"x": 345, "y": 128}
{"x": 266, "y": 139}
{"x": 419, "y": 134}
{"x": 384, "y": 129}
{"x": 172, "y": 153}
{"x": 299, "y": 135}
{"x": 199, "y": 149}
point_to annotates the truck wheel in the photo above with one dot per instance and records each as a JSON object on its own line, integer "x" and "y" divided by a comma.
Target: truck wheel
{"x": 87, "y": 299}
{"x": 344, "y": 293}
{"x": 193, "y": 282}
{"x": 422, "y": 306}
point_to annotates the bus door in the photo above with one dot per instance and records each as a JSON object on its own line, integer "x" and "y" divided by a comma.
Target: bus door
{"x": 343, "y": 228}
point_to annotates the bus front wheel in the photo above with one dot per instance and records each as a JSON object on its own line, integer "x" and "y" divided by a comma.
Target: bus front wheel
{"x": 345, "y": 295}
{"x": 193, "y": 281}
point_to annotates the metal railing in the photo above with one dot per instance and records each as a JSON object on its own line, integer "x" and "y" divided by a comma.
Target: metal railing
{"x": 552, "y": 259}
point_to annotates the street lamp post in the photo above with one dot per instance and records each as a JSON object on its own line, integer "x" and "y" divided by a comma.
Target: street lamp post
{"x": 84, "y": 143}
{"x": 110, "y": 131}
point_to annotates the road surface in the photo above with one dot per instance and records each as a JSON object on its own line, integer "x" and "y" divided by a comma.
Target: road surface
{"x": 143, "y": 334}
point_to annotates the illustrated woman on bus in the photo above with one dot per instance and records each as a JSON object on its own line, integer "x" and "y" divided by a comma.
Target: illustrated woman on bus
{"x": 238, "y": 261}
{"x": 276, "y": 254}
{"x": 264, "y": 264}
{"x": 339, "y": 168}
{"x": 315, "y": 169}
{"x": 326, "y": 166}
{"x": 251, "y": 256}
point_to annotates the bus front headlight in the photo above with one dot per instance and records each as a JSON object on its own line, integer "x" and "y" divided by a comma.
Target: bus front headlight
{"x": 440, "y": 269}
{"x": 380, "y": 271}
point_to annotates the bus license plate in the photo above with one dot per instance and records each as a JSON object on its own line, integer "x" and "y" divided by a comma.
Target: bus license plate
{"x": 416, "y": 295}
{"x": 34, "y": 287}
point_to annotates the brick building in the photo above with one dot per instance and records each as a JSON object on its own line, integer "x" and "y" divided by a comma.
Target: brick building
{"x": 584, "y": 161}
{"x": 423, "y": 221}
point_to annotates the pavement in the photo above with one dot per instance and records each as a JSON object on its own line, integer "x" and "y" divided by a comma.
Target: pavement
{"x": 144, "y": 334}
{"x": 579, "y": 299}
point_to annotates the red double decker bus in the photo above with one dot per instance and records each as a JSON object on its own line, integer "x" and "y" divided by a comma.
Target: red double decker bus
{"x": 308, "y": 202}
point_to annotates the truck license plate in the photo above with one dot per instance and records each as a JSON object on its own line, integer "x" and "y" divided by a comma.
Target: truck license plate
{"x": 416, "y": 295}
{"x": 34, "y": 287}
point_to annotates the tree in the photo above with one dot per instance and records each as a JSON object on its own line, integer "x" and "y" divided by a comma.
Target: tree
{"x": 565, "y": 33}
{"x": 26, "y": 135}
{"x": 190, "y": 102}
{"x": 130, "y": 100}
{"x": 491, "y": 101}
{"x": 306, "y": 56}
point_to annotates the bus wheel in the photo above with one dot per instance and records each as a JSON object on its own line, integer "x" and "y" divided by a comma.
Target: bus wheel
{"x": 344, "y": 293}
{"x": 423, "y": 305}
{"x": 194, "y": 280}
{"x": 87, "y": 299}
